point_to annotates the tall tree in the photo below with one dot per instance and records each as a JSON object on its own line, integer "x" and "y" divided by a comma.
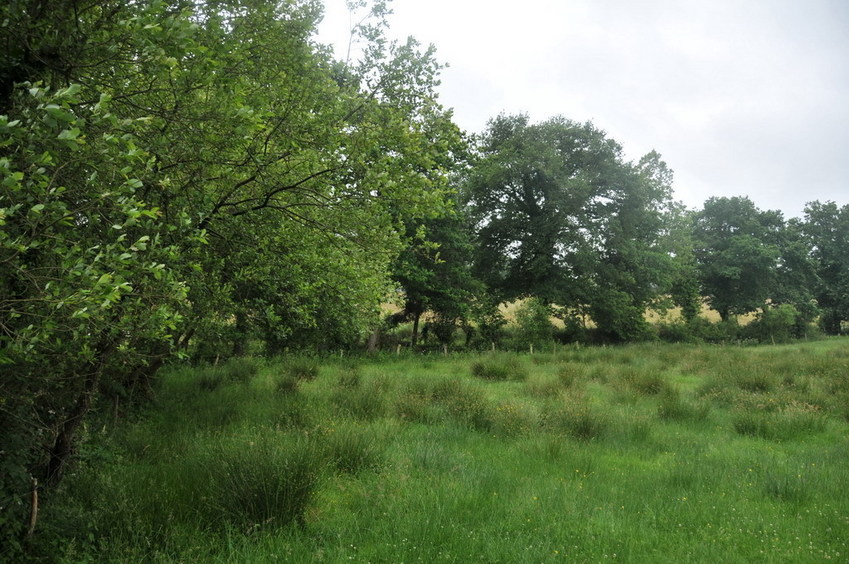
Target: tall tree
{"x": 737, "y": 252}
{"x": 434, "y": 271}
{"x": 561, "y": 216}
{"x": 827, "y": 227}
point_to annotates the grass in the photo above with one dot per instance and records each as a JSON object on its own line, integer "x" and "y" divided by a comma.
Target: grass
{"x": 650, "y": 453}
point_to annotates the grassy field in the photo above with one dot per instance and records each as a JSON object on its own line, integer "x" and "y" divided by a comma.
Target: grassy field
{"x": 650, "y": 453}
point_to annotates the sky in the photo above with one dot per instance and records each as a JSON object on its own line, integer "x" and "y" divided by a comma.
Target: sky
{"x": 740, "y": 97}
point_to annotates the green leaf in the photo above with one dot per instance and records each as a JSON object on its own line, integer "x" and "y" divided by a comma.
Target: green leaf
{"x": 69, "y": 134}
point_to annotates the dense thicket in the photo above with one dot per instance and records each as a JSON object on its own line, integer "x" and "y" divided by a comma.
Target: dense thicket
{"x": 179, "y": 173}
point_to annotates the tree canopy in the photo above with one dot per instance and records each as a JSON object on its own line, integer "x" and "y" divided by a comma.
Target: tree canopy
{"x": 560, "y": 215}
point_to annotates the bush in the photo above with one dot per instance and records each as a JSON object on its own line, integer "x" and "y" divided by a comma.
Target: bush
{"x": 777, "y": 324}
{"x": 533, "y": 319}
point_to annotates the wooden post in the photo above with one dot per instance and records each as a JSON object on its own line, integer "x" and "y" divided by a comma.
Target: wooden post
{"x": 444, "y": 350}
{"x": 398, "y": 350}
{"x": 532, "y": 348}
{"x": 493, "y": 346}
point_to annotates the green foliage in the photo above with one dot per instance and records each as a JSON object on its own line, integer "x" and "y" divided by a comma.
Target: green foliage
{"x": 775, "y": 324}
{"x": 533, "y": 323}
{"x": 826, "y": 227}
{"x": 194, "y": 179}
{"x": 561, "y": 216}
{"x": 737, "y": 253}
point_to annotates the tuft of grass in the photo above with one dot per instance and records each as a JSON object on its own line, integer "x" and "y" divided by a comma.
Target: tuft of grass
{"x": 265, "y": 482}
{"x": 574, "y": 417}
{"x": 239, "y": 369}
{"x": 645, "y": 383}
{"x": 570, "y": 374}
{"x": 787, "y": 423}
{"x": 353, "y": 448}
{"x": 302, "y": 368}
{"x": 210, "y": 380}
{"x": 500, "y": 367}
{"x": 672, "y": 407}
{"x": 366, "y": 401}
{"x": 466, "y": 404}
{"x": 513, "y": 418}
{"x": 287, "y": 384}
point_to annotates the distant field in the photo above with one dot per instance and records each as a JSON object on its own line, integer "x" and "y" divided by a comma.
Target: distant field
{"x": 651, "y": 453}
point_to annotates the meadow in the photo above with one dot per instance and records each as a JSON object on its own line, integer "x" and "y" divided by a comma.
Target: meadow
{"x": 642, "y": 453}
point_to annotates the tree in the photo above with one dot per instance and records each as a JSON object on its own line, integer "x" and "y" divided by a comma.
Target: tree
{"x": 827, "y": 228}
{"x": 685, "y": 291}
{"x": 737, "y": 254}
{"x": 434, "y": 271}
{"x": 796, "y": 278}
{"x": 560, "y": 215}
{"x": 172, "y": 173}
{"x": 635, "y": 269}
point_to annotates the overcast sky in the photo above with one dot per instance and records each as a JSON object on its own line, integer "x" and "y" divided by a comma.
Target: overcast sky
{"x": 741, "y": 97}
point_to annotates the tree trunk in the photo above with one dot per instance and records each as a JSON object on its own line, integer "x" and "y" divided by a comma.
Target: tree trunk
{"x": 373, "y": 340}
{"x": 415, "y": 338}
{"x": 63, "y": 445}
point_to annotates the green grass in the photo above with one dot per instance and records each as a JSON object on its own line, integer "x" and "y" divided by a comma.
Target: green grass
{"x": 650, "y": 453}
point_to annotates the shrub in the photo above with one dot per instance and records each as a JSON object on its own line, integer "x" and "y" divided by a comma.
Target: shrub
{"x": 500, "y": 367}
{"x": 533, "y": 319}
{"x": 774, "y": 324}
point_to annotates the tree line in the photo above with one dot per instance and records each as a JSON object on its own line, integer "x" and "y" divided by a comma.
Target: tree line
{"x": 181, "y": 179}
